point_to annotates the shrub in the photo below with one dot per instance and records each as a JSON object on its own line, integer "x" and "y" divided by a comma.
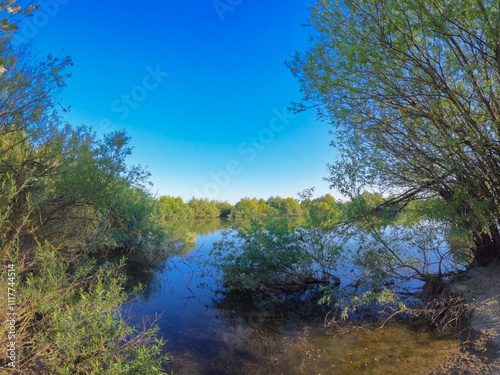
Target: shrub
{"x": 70, "y": 321}
{"x": 275, "y": 259}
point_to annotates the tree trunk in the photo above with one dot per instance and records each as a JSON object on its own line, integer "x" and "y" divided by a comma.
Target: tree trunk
{"x": 486, "y": 247}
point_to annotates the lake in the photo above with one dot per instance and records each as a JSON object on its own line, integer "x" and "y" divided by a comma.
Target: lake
{"x": 209, "y": 333}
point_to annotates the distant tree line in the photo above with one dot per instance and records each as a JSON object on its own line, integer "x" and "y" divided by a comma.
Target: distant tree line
{"x": 176, "y": 208}
{"x": 320, "y": 211}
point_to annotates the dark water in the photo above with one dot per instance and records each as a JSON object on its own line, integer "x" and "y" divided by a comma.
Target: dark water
{"x": 209, "y": 333}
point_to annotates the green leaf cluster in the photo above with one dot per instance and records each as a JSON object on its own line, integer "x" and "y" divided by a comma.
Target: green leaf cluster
{"x": 72, "y": 321}
{"x": 411, "y": 90}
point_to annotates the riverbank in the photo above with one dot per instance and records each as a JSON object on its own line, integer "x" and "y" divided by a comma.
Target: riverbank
{"x": 480, "y": 349}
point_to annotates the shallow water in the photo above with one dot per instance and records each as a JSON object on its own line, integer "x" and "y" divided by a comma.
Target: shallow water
{"x": 209, "y": 333}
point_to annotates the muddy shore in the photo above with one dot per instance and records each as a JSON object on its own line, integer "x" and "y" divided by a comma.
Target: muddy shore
{"x": 480, "y": 349}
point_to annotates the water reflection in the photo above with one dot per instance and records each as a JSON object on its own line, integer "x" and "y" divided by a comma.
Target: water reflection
{"x": 212, "y": 332}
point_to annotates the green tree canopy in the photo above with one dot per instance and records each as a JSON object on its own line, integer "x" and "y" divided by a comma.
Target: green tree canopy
{"x": 175, "y": 208}
{"x": 203, "y": 208}
{"x": 246, "y": 207}
{"x": 285, "y": 206}
{"x": 411, "y": 88}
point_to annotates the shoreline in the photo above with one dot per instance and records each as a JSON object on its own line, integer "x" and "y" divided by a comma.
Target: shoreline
{"x": 479, "y": 353}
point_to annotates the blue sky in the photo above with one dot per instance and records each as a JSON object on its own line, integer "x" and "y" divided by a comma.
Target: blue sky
{"x": 200, "y": 86}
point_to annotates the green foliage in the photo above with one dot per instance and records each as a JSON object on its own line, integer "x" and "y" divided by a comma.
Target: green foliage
{"x": 324, "y": 212}
{"x": 285, "y": 207}
{"x": 80, "y": 192}
{"x": 204, "y": 208}
{"x": 224, "y": 208}
{"x": 181, "y": 236}
{"x": 410, "y": 88}
{"x": 175, "y": 208}
{"x": 328, "y": 199}
{"x": 135, "y": 228}
{"x": 72, "y": 321}
{"x": 380, "y": 299}
{"x": 273, "y": 257}
{"x": 67, "y": 196}
{"x": 247, "y": 208}
{"x": 273, "y": 207}
{"x": 385, "y": 253}
{"x": 77, "y": 184}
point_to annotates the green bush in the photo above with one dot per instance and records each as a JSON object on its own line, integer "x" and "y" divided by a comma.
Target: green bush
{"x": 70, "y": 321}
{"x": 66, "y": 195}
{"x": 275, "y": 258}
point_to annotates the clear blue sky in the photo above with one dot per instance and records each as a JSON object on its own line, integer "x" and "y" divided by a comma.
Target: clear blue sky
{"x": 200, "y": 86}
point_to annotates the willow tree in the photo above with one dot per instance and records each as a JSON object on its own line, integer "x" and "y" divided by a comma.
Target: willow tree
{"x": 412, "y": 90}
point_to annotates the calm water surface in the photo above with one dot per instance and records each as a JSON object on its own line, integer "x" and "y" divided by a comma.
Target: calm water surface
{"x": 209, "y": 334}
